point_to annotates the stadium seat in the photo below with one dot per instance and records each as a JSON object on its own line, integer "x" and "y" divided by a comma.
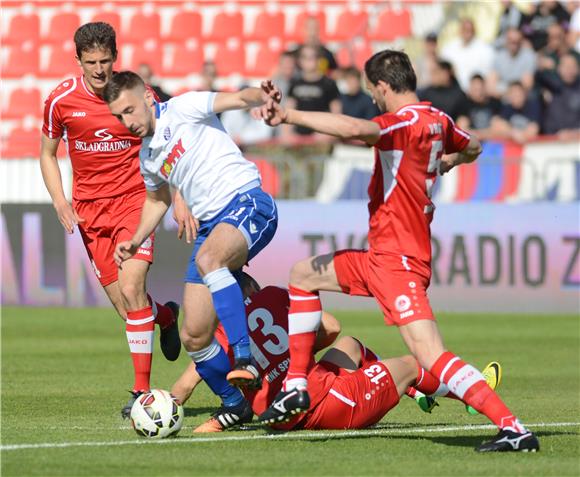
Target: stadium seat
{"x": 143, "y": 27}
{"x": 22, "y": 60}
{"x": 22, "y": 28}
{"x": 112, "y": 18}
{"x": 266, "y": 59}
{"x": 268, "y": 25}
{"x": 230, "y": 58}
{"x": 21, "y": 143}
{"x": 61, "y": 63}
{"x": 297, "y": 33}
{"x": 184, "y": 26}
{"x": 187, "y": 59}
{"x": 355, "y": 54}
{"x": 348, "y": 25}
{"x": 149, "y": 52}
{"x": 226, "y": 25}
{"x": 62, "y": 28}
{"x": 23, "y": 102}
{"x": 392, "y": 24}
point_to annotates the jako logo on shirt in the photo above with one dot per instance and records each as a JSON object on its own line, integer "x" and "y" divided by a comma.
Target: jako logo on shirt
{"x": 168, "y": 163}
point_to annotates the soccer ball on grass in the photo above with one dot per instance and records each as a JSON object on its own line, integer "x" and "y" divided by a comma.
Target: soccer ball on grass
{"x": 156, "y": 414}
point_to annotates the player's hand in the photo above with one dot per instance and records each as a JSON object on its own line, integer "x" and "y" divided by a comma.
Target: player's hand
{"x": 270, "y": 91}
{"x": 68, "y": 216}
{"x": 124, "y": 251}
{"x": 447, "y": 163}
{"x": 273, "y": 114}
{"x": 185, "y": 221}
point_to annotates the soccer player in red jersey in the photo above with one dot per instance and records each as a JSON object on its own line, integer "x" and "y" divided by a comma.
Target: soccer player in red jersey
{"x": 410, "y": 140}
{"x": 349, "y": 386}
{"x": 108, "y": 194}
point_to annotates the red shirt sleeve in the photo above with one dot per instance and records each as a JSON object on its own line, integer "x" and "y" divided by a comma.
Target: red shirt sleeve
{"x": 52, "y": 126}
{"x": 456, "y": 139}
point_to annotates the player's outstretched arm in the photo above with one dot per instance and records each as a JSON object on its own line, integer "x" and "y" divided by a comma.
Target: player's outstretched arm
{"x": 247, "y": 97}
{"x": 53, "y": 181}
{"x": 156, "y": 204}
{"x": 338, "y": 125}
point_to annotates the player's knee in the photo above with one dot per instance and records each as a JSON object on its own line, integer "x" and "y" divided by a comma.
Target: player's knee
{"x": 193, "y": 341}
{"x": 206, "y": 262}
{"x": 132, "y": 293}
{"x": 300, "y": 275}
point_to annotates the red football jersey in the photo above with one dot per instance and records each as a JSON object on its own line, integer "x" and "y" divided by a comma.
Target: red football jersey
{"x": 267, "y": 313}
{"x": 407, "y": 158}
{"x": 104, "y": 155}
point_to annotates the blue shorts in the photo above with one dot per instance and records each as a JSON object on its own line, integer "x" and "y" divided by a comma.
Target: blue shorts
{"x": 253, "y": 213}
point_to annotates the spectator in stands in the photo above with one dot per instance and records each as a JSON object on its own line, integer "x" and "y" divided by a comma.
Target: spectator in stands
{"x": 520, "y": 116}
{"x": 444, "y": 92}
{"x": 562, "y": 114}
{"x": 545, "y": 13}
{"x": 285, "y": 73}
{"x": 574, "y": 30}
{"x": 427, "y": 61}
{"x": 144, "y": 70}
{"x": 513, "y": 62}
{"x": 208, "y": 75}
{"x": 468, "y": 54}
{"x": 326, "y": 61}
{"x": 555, "y": 49}
{"x": 481, "y": 111}
{"x": 355, "y": 102}
{"x": 312, "y": 91}
{"x": 511, "y": 17}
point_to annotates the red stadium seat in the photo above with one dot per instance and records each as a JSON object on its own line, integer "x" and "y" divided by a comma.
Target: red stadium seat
{"x": 350, "y": 24}
{"x": 22, "y": 60}
{"x": 22, "y": 28}
{"x": 184, "y": 26}
{"x": 230, "y": 58}
{"x": 151, "y": 53}
{"x": 187, "y": 58}
{"x": 267, "y": 58}
{"x": 355, "y": 54}
{"x": 62, "y": 63}
{"x": 23, "y": 102}
{"x": 268, "y": 25}
{"x": 112, "y": 18}
{"x": 143, "y": 27}
{"x": 392, "y": 24}
{"x": 297, "y": 33}
{"x": 21, "y": 143}
{"x": 62, "y": 27}
{"x": 226, "y": 25}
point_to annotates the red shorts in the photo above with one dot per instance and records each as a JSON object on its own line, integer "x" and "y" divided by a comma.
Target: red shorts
{"x": 399, "y": 284}
{"x": 356, "y": 400}
{"x": 107, "y": 222}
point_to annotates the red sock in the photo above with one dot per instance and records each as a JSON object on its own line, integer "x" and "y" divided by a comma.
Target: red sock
{"x": 304, "y": 319}
{"x": 140, "y": 328}
{"x": 164, "y": 316}
{"x": 411, "y": 392}
{"x": 468, "y": 384}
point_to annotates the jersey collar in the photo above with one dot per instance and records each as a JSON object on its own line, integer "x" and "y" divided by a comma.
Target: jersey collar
{"x": 419, "y": 105}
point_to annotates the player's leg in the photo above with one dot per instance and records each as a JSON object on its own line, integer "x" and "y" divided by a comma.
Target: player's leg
{"x": 211, "y": 362}
{"x": 466, "y": 382}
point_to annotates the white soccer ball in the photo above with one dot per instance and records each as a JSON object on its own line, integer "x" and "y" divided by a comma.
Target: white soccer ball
{"x": 156, "y": 414}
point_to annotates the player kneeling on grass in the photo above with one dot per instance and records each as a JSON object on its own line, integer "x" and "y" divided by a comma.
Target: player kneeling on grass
{"x": 352, "y": 388}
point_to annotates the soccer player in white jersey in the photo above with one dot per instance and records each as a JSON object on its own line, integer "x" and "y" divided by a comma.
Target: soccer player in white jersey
{"x": 185, "y": 146}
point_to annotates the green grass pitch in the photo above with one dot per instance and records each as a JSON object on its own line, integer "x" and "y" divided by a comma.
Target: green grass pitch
{"x": 65, "y": 373}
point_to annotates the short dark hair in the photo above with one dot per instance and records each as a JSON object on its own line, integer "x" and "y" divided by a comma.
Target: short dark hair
{"x": 120, "y": 82}
{"x": 351, "y": 71}
{"x": 95, "y": 35}
{"x": 394, "y": 68}
{"x": 477, "y": 77}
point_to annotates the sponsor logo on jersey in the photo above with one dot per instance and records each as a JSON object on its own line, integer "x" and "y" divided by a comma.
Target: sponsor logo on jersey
{"x": 172, "y": 158}
{"x": 102, "y": 146}
{"x": 103, "y": 134}
{"x": 79, "y": 114}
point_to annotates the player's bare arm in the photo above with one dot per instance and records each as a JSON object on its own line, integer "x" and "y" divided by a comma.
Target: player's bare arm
{"x": 154, "y": 208}
{"x": 185, "y": 221}
{"x": 247, "y": 97}
{"x": 468, "y": 155}
{"x": 338, "y": 125}
{"x": 52, "y": 179}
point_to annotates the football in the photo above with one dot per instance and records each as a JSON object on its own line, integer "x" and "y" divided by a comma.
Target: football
{"x": 156, "y": 414}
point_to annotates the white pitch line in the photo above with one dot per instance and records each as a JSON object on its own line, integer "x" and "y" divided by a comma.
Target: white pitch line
{"x": 285, "y": 436}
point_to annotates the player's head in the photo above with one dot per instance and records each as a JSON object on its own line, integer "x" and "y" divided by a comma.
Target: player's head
{"x": 248, "y": 285}
{"x": 387, "y": 73}
{"x": 131, "y": 103}
{"x": 96, "y": 49}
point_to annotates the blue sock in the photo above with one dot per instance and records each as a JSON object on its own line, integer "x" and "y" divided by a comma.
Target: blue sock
{"x": 213, "y": 365}
{"x": 228, "y": 302}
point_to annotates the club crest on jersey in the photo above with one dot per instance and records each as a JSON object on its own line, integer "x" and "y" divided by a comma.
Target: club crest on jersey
{"x": 172, "y": 158}
{"x": 167, "y": 133}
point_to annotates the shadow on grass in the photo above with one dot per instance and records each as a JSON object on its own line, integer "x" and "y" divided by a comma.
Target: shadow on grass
{"x": 474, "y": 441}
{"x": 197, "y": 411}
